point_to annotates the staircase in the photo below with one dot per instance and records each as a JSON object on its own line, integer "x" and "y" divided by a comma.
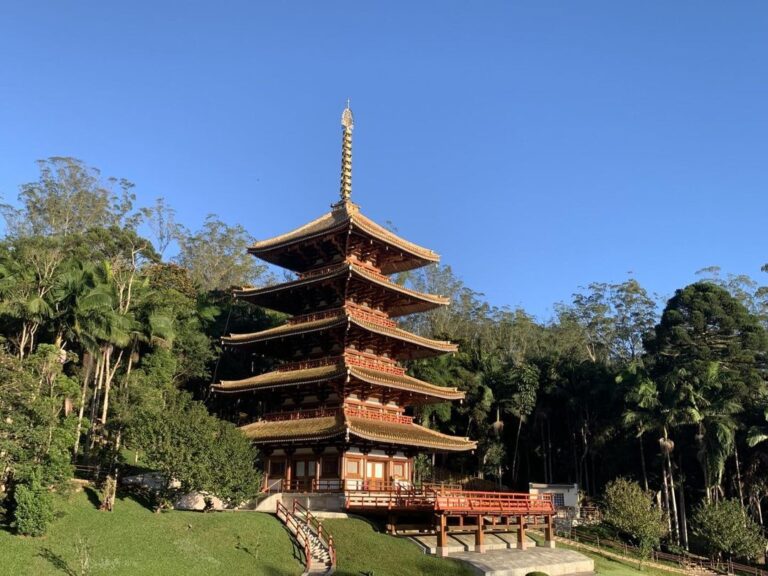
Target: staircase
{"x": 315, "y": 542}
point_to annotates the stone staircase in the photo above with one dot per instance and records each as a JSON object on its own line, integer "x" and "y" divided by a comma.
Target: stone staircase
{"x": 315, "y": 542}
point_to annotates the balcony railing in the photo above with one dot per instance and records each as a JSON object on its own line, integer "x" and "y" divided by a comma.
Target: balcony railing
{"x": 354, "y": 411}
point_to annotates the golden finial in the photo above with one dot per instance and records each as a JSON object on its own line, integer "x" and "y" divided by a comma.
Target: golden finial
{"x": 346, "y": 153}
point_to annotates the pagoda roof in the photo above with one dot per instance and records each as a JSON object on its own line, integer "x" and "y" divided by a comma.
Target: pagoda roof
{"x": 342, "y": 425}
{"x": 288, "y": 378}
{"x": 344, "y": 217}
{"x": 337, "y": 318}
{"x": 278, "y": 297}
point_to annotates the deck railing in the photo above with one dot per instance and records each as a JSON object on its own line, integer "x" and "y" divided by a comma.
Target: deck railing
{"x": 447, "y": 500}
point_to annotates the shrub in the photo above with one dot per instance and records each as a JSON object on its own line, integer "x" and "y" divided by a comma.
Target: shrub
{"x": 630, "y": 510}
{"x": 726, "y": 529}
{"x": 34, "y": 509}
{"x": 537, "y": 574}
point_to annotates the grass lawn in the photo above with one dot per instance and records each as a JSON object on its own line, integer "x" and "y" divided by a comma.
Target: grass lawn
{"x": 361, "y": 549}
{"x": 609, "y": 567}
{"x": 134, "y": 540}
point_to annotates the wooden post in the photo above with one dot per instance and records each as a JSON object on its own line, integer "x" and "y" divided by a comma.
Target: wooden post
{"x": 479, "y": 535}
{"x": 441, "y": 536}
{"x": 288, "y": 467}
{"x": 521, "y": 541}
{"x": 549, "y": 532}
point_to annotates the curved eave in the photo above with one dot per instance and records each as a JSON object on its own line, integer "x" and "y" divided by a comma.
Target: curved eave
{"x": 415, "y": 301}
{"x": 405, "y": 383}
{"x": 340, "y": 219}
{"x": 407, "y": 435}
{"x": 277, "y": 379}
{"x": 303, "y": 430}
{"x": 369, "y": 227}
{"x": 284, "y": 331}
{"x": 404, "y": 336}
{"x": 422, "y": 347}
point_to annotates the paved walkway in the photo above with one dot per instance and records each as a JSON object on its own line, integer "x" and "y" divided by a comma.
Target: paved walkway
{"x": 552, "y": 561}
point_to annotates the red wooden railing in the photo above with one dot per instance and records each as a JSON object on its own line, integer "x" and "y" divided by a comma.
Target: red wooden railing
{"x": 452, "y": 500}
{"x": 290, "y": 521}
{"x": 357, "y": 412}
{"x": 316, "y": 526}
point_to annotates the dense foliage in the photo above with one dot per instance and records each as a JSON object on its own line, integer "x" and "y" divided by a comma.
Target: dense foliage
{"x": 107, "y": 346}
{"x": 631, "y": 510}
{"x": 726, "y": 530}
{"x": 101, "y": 342}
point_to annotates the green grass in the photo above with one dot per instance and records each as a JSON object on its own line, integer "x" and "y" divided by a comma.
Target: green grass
{"x": 361, "y": 549}
{"x": 133, "y": 540}
{"x": 610, "y": 567}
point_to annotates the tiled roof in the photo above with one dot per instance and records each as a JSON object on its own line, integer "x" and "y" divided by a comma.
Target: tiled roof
{"x": 404, "y": 382}
{"x": 285, "y": 330}
{"x": 327, "y": 427}
{"x": 342, "y": 269}
{"x": 343, "y": 216}
{"x": 343, "y": 317}
{"x": 406, "y": 434}
{"x": 280, "y": 379}
{"x": 304, "y": 429}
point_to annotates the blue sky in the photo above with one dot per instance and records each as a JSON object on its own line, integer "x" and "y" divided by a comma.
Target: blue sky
{"x": 537, "y": 146}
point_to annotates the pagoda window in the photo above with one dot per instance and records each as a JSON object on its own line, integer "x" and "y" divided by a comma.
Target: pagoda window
{"x": 354, "y": 468}
{"x": 277, "y": 468}
{"x": 330, "y": 468}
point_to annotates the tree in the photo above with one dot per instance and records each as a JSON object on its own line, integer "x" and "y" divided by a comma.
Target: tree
{"x": 630, "y": 510}
{"x": 187, "y": 444}
{"x": 707, "y": 357}
{"x": 216, "y": 256}
{"x": 727, "y": 530}
{"x": 69, "y": 198}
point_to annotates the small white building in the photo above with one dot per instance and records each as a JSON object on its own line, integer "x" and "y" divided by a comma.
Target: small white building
{"x": 565, "y": 497}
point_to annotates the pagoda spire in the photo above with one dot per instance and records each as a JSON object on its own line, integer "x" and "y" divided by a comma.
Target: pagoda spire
{"x": 346, "y": 153}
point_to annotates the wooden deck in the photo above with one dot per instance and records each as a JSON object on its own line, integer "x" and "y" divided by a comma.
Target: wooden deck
{"x": 449, "y": 510}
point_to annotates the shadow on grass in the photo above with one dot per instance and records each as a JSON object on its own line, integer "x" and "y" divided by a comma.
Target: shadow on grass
{"x": 57, "y": 561}
{"x": 141, "y": 496}
{"x": 93, "y": 496}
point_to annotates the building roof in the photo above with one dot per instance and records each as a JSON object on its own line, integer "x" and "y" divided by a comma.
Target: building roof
{"x": 345, "y": 216}
{"x": 342, "y": 425}
{"x": 288, "y": 378}
{"x": 341, "y": 317}
{"x": 280, "y": 296}
{"x": 282, "y": 379}
{"x": 406, "y": 434}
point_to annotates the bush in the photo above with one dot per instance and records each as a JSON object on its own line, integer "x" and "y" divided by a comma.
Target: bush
{"x": 726, "y": 529}
{"x": 537, "y": 574}
{"x": 34, "y": 509}
{"x": 630, "y": 510}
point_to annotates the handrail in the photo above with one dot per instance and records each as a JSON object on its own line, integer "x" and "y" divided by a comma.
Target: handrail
{"x": 313, "y": 522}
{"x": 290, "y": 521}
{"x": 445, "y": 499}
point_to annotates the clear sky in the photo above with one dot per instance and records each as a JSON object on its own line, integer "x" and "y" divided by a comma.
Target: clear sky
{"x": 537, "y": 146}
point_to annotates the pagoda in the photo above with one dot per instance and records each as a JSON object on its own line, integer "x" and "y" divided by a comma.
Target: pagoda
{"x": 332, "y": 415}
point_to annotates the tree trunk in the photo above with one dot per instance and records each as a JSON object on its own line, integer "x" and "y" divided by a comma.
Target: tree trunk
{"x": 738, "y": 477}
{"x": 517, "y": 444}
{"x": 666, "y": 494}
{"x": 683, "y": 516}
{"x": 642, "y": 462}
{"x": 676, "y": 523}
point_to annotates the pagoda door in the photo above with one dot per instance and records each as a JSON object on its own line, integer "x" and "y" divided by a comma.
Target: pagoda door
{"x": 304, "y": 470}
{"x": 375, "y": 474}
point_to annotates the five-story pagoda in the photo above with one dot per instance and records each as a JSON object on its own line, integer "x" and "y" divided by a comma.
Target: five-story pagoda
{"x": 333, "y": 412}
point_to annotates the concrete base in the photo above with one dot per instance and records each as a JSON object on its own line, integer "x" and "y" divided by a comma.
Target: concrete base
{"x": 466, "y": 542}
{"x": 519, "y": 563}
{"x": 332, "y": 502}
{"x": 547, "y": 544}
